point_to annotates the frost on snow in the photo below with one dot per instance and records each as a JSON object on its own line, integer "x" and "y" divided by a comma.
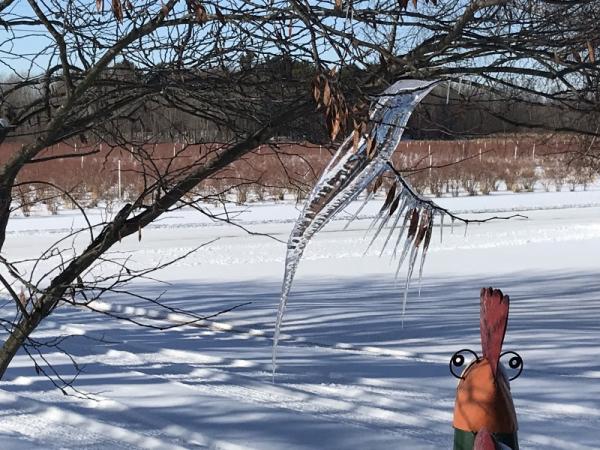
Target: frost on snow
{"x": 350, "y": 171}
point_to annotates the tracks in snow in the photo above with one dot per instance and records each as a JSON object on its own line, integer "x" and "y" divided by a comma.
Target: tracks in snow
{"x": 285, "y": 339}
{"x": 288, "y": 340}
{"x": 291, "y": 220}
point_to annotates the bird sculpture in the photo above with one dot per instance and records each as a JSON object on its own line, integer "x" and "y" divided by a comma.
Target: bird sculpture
{"x": 484, "y": 413}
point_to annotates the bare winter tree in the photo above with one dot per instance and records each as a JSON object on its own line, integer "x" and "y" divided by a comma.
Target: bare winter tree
{"x": 226, "y": 77}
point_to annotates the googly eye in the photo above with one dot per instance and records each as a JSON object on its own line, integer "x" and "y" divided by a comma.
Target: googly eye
{"x": 514, "y": 363}
{"x": 459, "y": 358}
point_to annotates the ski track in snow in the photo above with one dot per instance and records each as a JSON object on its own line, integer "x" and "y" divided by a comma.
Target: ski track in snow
{"x": 291, "y": 220}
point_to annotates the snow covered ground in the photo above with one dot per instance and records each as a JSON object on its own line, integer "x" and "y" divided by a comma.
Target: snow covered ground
{"x": 354, "y": 373}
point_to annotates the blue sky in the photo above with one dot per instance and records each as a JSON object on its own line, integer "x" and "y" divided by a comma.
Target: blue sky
{"x": 26, "y": 41}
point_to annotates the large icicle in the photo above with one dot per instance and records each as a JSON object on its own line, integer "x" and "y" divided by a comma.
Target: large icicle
{"x": 350, "y": 172}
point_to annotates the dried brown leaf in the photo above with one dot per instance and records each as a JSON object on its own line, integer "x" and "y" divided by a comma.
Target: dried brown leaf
{"x": 100, "y": 5}
{"x": 371, "y": 145}
{"x": 423, "y": 227}
{"x": 117, "y": 10}
{"x": 201, "y": 14}
{"x": 316, "y": 90}
{"x": 428, "y": 235}
{"x": 219, "y": 15}
{"x": 363, "y": 127}
{"x": 395, "y": 204}
{"x": 335, "y": 127}
{"x": 390, "y": 197}
{"x": 355, "y": 139}
{"x": 199, "y": 11}
{"x": 591, "y": 52}
{"x": 326, "y": 94}
{"x": 414, "y": 222}
{"x": 377, "y": 184}
{"x": 338, "y": 5}
{"x": 330, "y": 99}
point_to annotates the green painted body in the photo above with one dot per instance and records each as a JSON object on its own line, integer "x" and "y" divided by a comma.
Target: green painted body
{"x": 464, "y": 440}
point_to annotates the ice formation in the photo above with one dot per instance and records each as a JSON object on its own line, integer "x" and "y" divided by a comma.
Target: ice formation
{"x": 350, "y": 171}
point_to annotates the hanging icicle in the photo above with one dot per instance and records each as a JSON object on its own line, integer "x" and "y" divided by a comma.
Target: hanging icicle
{"x": 351, "y": 170}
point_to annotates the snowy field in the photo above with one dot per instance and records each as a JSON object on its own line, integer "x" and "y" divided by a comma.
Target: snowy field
{"x": 354, "y": 373}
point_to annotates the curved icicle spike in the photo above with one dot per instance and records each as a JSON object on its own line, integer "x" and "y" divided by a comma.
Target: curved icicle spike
{"x": 358, "y": 211}
{"x": 411, "y": 237}
{"x": 382, "y": 217}
{"x": 408, "y": 207}
{"x": 385, "y": 214}
{"x": 426, "y": 242}
{"x": 350, "y": 172}
{"x": 411, "y": 266}
{"x": 394, "y": 225}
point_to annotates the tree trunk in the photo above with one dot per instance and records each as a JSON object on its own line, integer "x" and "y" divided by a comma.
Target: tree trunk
{"x": 16, "y": 339}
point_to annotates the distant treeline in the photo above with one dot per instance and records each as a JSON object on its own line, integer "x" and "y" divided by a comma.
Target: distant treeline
{"x": 454, "y": 110}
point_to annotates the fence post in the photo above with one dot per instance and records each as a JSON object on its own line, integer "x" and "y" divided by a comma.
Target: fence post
{"x": 430, "y": 159}
{"x": 119, "y": 177}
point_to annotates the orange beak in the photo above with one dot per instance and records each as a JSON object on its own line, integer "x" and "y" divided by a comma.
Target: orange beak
{"x": 484, "y": 400}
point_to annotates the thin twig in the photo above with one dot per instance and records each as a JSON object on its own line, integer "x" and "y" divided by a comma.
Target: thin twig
{"x": 440, "y": 209}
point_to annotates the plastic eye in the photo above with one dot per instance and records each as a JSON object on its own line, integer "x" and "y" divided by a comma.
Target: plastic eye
{"x": 458, "y": 360}
{"x": 515, "y": 363}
